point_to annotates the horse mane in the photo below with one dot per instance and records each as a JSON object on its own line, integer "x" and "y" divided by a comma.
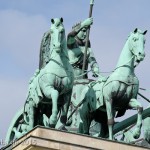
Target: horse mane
{"x": 64, "y": 46}
{"x": 131, "y": 33}
{"x": 44, "y": 55}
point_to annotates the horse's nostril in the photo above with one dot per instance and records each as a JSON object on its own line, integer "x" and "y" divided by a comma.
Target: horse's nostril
{"x": 54, "y": 45}
{"x": 59, "y": 45}
{"x": 139, "y": 53}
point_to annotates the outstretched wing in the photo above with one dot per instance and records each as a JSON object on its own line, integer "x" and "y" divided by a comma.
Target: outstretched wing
{"x": 44, "y": 50}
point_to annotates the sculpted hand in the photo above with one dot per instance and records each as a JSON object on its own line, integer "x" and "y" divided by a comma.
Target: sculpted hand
{"x": 95, "y": 71}
{"x": 102, "y": 78}
{"x": 87, "y": 22}
{"x": 95, "y": 75}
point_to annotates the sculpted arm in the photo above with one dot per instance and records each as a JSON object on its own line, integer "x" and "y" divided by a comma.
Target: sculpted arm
{"x": 76, "y": 29}
{"x": 95, "y": 67}
{"x": 93, "y": 63}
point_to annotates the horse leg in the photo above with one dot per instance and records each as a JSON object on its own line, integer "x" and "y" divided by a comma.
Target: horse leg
{"x": 136, "y": 105}
{"x": 104, "y": 130}
{"x": 53, "y": 117}
{"x": 53, "y": 94}
{"x": 86, "y": 118}
{"x": 110, "y": 117}
{"x": 84, "y": 125}
{"x": 69, "y": 122}
{"x": 65, "y": 107}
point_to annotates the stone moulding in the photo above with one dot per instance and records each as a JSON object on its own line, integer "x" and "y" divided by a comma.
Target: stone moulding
{"x": 41, "y": 138}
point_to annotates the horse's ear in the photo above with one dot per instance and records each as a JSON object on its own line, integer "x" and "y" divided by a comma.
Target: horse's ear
{"x": 61, "y": 19}
{"x": 52, "y": 21}
{"x": 135, "y": 30}
{"x": 144, "y": 32}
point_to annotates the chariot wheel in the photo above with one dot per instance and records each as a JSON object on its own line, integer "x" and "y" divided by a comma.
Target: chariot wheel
{"x": 14, "y": 123}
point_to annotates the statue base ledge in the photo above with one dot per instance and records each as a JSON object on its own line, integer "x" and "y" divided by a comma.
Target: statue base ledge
{"x": 41, "y": 138}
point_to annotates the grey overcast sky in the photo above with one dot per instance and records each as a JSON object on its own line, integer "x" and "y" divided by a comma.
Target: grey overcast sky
{"x": 23, "y": 22}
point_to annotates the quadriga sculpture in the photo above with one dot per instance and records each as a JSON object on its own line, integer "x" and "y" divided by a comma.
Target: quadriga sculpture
{"x": 50, "y": 88}
{"x": 101, "y": 101}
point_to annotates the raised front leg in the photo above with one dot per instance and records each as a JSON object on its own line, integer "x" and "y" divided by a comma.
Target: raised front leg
{"x": 134, "y": 104}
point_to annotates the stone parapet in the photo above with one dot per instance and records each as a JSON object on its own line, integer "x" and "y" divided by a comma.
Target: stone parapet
{"x": 41, "y": 138}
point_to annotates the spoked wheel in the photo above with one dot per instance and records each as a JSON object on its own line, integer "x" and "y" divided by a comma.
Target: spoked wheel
{"x": 14, "y": 124}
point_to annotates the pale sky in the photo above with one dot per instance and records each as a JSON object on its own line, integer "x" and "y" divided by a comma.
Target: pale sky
{"x": 23, "y": 22}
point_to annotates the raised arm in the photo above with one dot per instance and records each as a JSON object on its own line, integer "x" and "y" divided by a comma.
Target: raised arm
{"x": 76, "y": 29}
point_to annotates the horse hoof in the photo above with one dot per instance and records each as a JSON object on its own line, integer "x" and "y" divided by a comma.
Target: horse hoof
{"x": 136, "y": 136}
{"x": 86, "y": 133}
{"x": 69, "y": 122}
{"x": 136, "y": 133}
{"x": 45, "y": 120}
{"x": 62, "y": 128}
{"x": 52, "y": 120}
{"x": 52, "y": 125}
{"x": 63, "y": 119}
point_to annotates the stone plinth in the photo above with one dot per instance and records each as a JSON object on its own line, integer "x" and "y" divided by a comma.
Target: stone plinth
{"x": 42, "y": 138}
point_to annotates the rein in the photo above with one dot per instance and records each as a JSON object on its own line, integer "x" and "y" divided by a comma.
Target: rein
{"x": 125, "y": 63}
{"x": 51, "y": 59}
{"x": 86, "y": 71}
{"x": 76, "y": 109}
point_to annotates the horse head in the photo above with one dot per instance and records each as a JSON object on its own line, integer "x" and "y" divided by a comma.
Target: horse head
{"x": 136, "y": 44}
{"x": 57, "y": 34}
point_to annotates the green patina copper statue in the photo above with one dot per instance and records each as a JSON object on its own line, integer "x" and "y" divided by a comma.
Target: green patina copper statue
{"x": 76, "y": 48}
{"x": 62, "y": 81}
{"x": 118, "y": 93}
{"x": 81, "y": 57}
{"x": 49, "y": 89}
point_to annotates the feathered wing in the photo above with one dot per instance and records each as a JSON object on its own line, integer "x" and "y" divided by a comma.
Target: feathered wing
{"x": 44, "y": 56}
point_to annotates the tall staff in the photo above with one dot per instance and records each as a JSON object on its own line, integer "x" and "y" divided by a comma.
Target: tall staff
{"x": 87, "y": 37}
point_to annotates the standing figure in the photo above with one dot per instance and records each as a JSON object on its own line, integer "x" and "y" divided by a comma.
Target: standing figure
{"x": 76, "y": 42}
